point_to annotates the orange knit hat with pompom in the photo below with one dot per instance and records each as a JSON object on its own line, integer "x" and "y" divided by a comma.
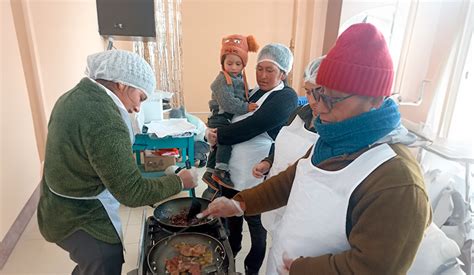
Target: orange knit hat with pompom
{"x": 239, "y": 45}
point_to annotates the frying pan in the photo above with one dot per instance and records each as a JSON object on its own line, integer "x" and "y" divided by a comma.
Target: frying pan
{"x": 165, "y": 249}
{"x": 164, "y": 211}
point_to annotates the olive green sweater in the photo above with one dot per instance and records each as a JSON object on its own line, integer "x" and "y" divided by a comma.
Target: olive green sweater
{"x": 89, "y": 149}
{"x": 386, "y": 218}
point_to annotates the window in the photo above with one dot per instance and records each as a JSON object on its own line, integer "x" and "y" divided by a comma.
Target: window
{"x": 461, "y": 122}
{"x": 390, "y": 17}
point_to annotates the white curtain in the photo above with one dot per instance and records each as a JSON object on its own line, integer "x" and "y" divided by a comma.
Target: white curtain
{"x": 165, "y": 55}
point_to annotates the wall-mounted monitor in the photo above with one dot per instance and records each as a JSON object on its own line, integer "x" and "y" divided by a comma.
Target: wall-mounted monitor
{"x": 127, "y": 19}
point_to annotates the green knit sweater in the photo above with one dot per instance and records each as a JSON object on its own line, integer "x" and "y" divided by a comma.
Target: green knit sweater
{"x": 89, "y": 149}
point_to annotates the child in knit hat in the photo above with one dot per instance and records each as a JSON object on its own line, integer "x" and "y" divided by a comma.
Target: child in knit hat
{"x": 229, "y": 98}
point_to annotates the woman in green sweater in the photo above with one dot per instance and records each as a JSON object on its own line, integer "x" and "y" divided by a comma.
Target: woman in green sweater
{"x": 356, "y": 203}
{"x": 89, "y": 168}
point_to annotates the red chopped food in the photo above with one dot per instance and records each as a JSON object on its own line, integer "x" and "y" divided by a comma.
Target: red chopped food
{"x": 191, "y": 259}
{"x": 181, "y": 218}
{"x": 189, "y": 250}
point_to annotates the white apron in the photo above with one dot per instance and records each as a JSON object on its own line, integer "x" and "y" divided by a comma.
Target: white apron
{"x": 318, "y": 206}
{"x": 110, "y": 204}
{"x": 108, "y": 201}
{"x": 248, "y": 153}
{"x": 292, "y": 142}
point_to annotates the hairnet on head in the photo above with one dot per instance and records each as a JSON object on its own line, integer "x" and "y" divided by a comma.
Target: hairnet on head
{"x": 122, "y": 67}
{"x": 311, "y": 71}
{"x": 278, "y": 54}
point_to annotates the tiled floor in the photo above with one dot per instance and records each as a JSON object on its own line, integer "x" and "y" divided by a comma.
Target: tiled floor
{"x": 33, "y": 255}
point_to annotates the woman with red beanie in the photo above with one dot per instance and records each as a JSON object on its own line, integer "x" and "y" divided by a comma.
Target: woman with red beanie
{"x": 356, "y": 203}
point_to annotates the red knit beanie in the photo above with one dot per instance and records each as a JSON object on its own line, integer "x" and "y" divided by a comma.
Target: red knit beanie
{"x": 239, "y": 45}
{"x": 359, "y": 63}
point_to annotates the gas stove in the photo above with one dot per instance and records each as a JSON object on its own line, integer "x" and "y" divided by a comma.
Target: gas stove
{"x": 153, "y": 232}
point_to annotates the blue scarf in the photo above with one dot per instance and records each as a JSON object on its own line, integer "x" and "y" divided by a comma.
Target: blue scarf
{"x": 353, "y": 134}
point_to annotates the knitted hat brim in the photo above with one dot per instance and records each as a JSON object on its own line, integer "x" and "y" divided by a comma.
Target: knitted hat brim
{"x": 352, "y": 78}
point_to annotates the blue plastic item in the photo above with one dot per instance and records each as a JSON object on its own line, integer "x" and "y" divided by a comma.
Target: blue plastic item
{"x": 302, "y": 100}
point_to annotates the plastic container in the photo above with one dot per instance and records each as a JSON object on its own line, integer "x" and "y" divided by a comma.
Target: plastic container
{"x": 152, "y": 108}
{"x": 302, "y": 100}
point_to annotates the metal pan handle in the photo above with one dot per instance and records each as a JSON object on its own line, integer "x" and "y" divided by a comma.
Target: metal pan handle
{"x": 219, "y": 251}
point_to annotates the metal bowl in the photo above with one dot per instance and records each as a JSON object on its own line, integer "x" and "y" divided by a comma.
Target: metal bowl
{"x": 165, "y": 249}
{"x": 166, "y": 210}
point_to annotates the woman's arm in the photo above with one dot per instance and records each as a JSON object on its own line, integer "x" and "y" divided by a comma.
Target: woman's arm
{"x": 109, "y": 152}
{"x": 273, "y": 113}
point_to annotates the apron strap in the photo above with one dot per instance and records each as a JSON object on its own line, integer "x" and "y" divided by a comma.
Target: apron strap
{"x": 110, "y": 204}
{"x": 228, "y": 80}
{"x": 246, "y": 86}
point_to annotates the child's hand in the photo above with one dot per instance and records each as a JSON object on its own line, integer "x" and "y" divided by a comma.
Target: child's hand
{"x": 261, "y": 169}
{"x": 252, "y": 107}
{"x": 211, "y": 136}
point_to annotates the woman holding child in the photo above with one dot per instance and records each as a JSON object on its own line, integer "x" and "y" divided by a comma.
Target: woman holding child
{"x": 251, "y": 136}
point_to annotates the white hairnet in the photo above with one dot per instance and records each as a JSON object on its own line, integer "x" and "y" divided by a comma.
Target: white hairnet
{"x": 278, "y": 54}
{"x": 122, "y": 67}
{"x": 311, "y": 71}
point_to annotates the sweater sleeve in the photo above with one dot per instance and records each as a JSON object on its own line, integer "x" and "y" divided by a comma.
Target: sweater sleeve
{"x": 226, "y": 97}
{"x": 273, "y": 113}
{"x": 109, "y": 151}
{"x": 270, "y": 158}
{"x": 387, "y": 229}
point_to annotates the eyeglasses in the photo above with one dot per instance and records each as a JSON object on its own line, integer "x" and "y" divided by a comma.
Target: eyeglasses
{"x": 329, "y": 101}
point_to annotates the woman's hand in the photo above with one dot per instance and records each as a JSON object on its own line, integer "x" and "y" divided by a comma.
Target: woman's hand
{"x": 189, "y": 178}
{"x": 260, "y": 169}
{"x": 223, "y": 207}
{"x": 211, "y": 136}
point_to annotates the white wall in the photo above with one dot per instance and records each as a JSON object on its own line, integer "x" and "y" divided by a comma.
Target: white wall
{"x": 353, "y": 7}
{"x": 19, "y": 169}
{"x": 66, "y": 32}
{"x": 205, "y": 22}
{"x": 62, "y": 34}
